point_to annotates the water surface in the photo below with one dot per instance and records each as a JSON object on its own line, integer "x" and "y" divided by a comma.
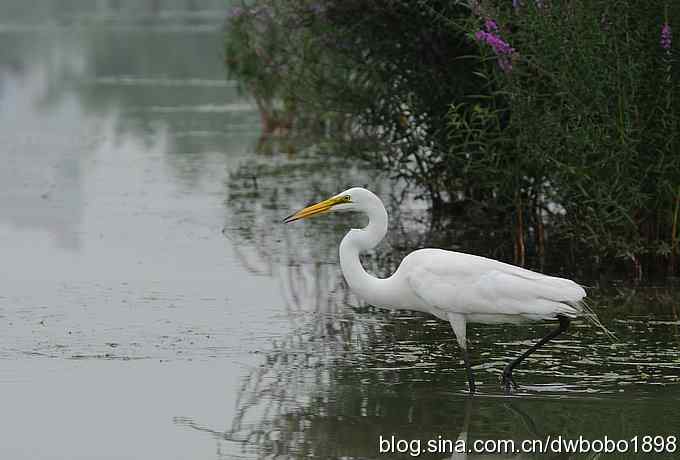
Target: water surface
{"x": 152, "y": 305}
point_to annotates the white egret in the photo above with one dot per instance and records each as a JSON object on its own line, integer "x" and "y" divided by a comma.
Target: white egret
{"x": 456, "y": 287}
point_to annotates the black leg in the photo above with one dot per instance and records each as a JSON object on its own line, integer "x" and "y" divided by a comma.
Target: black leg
{"x": 507, "y": 372}
{"x": 468, "y": 370}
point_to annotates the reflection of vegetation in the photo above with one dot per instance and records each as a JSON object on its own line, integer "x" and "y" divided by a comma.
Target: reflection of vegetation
{"x": 495, "y": 107}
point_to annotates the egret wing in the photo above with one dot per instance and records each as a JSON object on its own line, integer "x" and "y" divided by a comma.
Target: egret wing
{"x": 459, "y": 283}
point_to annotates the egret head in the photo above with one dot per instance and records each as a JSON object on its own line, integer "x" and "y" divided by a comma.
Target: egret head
{"x": 353, "y": 199}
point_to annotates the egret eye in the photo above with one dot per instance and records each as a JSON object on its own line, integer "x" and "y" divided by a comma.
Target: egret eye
{"x": 348, "y": 198}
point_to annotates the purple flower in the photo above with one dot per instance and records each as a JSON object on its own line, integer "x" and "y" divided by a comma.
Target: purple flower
{"x": 490, "y": 25}
{"x": 505, "y": 63}
{"x": 666, "y": 37}
{"x": 500, "y": 47}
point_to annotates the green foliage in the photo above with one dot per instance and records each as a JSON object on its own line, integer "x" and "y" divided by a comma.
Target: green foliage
{"x": 253, "y": 49}
{"x": 383, "y": 71}
{"x": 559, "y": 120}
{"x": 593, "y": 122}
{"x": 256, "y": 55}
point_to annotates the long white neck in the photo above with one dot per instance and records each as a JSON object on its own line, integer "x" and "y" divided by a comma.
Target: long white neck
{"x": 373, "y": 290}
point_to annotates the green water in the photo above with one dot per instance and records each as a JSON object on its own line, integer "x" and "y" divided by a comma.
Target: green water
{"x": 152, "y": 305}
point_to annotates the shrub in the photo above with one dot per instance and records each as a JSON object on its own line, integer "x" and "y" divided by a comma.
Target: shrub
{"x": 592, "y": 128}
{"x": 557, "y": 121}
{"x": 391, "y": 68}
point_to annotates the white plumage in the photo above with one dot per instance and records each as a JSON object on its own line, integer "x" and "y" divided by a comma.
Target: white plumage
{"x": 453, "y": 286}
{"x": 454, "y": 282}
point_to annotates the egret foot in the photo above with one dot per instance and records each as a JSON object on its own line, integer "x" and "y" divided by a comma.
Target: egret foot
{"x": 508, "y": 381}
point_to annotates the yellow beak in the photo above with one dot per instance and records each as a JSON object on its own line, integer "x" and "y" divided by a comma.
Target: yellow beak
{"x": 315, "y": 209}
